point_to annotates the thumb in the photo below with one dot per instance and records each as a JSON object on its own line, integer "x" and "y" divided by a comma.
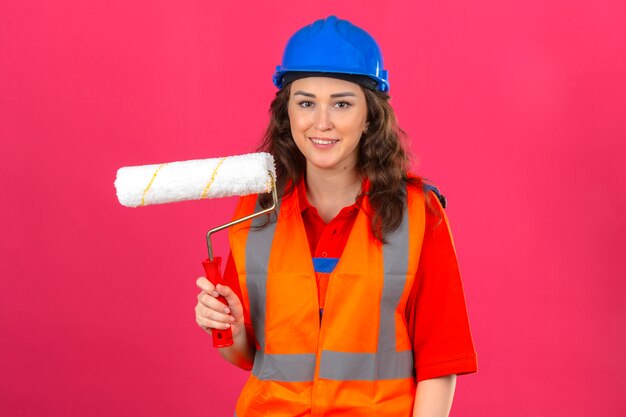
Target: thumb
{"x": 231, "y": 298}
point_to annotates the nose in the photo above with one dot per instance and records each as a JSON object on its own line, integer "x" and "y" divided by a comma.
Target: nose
{"x": 322, "y": 119}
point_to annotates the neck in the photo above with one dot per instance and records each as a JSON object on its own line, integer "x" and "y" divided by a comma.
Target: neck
{"x": 332, "y": 189}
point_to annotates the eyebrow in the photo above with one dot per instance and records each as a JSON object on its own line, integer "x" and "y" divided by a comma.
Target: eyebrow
{"x": 345, "y": 94}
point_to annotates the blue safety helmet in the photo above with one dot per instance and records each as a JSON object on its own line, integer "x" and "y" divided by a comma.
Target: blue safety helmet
{"x": 333, "y": 45}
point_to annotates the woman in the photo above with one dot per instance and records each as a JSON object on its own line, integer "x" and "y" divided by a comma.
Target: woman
{"x": 349, "y": 301}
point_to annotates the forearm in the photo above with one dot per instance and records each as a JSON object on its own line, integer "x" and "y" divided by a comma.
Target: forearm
{"x": 241, "y": 353}
{"x": 433, "y": 397}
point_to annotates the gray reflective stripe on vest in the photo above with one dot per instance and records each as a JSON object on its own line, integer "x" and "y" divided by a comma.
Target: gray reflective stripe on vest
{"x": 269, "y": 367}
{"x": 349, "y": 366}
{"x": 298, "y": 367}
{"x": 258, "y": 247}
{"x": 386, "y": 363}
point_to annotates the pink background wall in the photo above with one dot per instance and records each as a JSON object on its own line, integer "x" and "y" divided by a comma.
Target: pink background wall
{"x": 517, "y": 110}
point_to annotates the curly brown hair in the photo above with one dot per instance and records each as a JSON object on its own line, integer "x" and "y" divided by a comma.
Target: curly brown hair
{"x": 382, "y": 159}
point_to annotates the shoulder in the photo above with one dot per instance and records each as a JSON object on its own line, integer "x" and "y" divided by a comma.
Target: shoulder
{"x": 434, "y": 201}
{"x": 426, "y": 187}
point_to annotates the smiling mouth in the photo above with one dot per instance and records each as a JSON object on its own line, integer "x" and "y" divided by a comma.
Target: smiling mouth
{"x": 319, "y": 141}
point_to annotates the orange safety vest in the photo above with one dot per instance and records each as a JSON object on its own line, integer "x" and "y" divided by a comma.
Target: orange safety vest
{"x": 357, "y": 360}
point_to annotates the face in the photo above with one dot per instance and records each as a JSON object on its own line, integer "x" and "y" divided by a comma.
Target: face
{"x": 328, "y": 117}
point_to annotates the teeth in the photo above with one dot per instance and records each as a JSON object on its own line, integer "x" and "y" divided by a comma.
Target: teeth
{"x": 323, "y": 142}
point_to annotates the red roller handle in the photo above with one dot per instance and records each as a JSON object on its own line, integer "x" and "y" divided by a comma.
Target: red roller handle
{"x": 221, "y": 338}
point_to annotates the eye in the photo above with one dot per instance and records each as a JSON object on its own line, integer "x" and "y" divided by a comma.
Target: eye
{"x": 343, "y": 104}
{"x": 305, "y": 104}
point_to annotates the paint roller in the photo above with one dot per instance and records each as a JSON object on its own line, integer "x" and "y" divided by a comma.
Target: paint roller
{"x": 239, "y": 175}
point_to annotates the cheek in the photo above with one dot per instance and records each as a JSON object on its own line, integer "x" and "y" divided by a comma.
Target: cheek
{"x": 298, "y": 121}
{"x": 353, "y": 125}
{"x": 296, "y": 129}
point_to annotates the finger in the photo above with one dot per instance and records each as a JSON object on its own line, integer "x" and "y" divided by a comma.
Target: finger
{"x": 206, "y": 286}
{"x": 213, "y": 303}
{"x": 208, "y": 324}
{"x": 214, "y": 315}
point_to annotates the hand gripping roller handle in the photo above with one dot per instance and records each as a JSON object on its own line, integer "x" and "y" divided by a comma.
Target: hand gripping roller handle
{"x": 212, "y": 270}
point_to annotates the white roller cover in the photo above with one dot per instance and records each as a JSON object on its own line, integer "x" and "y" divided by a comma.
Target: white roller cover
{"x": 196, "y": 179}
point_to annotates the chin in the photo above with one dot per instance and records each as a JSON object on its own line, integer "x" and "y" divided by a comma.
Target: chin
{"x": 320, "y": 164}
